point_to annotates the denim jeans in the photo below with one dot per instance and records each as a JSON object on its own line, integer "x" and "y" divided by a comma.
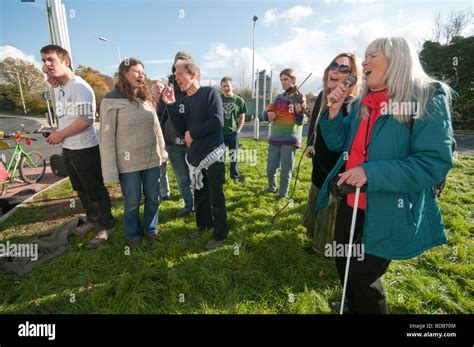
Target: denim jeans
{"x": 131, "y": 185}
{"x": 232, "y": 141}
{"x": 283, "y": 157}
{"x": 84, "y": 169}
{"x": 164, "y": 184}
{"x": 210, "y": 201}
{"x": 177, "y": 156}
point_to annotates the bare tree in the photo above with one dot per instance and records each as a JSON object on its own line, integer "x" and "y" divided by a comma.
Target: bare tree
{"x": 438, "y": 28}
{"x": 455, "y": 23}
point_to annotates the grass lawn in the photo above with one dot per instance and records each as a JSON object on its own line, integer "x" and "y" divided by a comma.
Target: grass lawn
{"x": 176, "y": 275}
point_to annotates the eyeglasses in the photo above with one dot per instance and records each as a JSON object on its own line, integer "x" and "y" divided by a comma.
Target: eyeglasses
{"x": 340, "y": 68}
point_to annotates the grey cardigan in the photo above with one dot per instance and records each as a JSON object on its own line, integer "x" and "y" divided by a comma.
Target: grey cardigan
{"x": 130, "y": 137}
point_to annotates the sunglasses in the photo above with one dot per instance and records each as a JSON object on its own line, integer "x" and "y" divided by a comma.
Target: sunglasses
{"x": 340, "y": 68}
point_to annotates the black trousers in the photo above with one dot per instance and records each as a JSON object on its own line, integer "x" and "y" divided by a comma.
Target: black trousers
{"x": 209, "y": 201}
{"x": 364, "y": 288}
{"x": 85, "y": 173}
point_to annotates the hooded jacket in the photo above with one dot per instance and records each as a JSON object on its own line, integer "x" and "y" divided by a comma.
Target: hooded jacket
{"x": 402, "y": 217}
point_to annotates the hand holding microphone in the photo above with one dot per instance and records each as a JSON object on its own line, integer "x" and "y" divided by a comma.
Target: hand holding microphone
{"x": 338, "y": 95}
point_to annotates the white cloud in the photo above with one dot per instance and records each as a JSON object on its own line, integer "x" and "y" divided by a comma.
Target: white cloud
{"x": 13, "y": 52}
{"x": 293, "y": 15}
{"x": 269, "y": 17}
{"x": 309, "y": 49}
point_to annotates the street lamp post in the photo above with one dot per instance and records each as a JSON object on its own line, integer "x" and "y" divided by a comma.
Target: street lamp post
{"x": 255, "y": 18}
{"x": 19, "y": 85}
{"x": 118, "y": 47}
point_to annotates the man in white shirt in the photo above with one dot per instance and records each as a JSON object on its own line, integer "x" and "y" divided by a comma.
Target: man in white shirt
{"x": 75, "y": 108}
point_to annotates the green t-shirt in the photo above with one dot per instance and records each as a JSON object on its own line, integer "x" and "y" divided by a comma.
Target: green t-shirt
{"x": 233, "y": 107}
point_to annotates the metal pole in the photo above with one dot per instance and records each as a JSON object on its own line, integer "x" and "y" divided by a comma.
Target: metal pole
{"x": 256, "y": 123}
{"x": 271, "y": 85}
{"x": 255, "y": 18}
{"x": 264, "y": 87}
{"x": 21, "y": 91}
{"x": 349, "y": 255}
{"x": 271, "y": 99}
{"x": 118, "y": 51}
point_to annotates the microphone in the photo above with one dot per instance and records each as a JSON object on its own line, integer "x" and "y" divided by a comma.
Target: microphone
{"x": 349, "y": 82}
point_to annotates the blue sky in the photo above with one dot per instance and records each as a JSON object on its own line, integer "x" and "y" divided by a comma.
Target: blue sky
{"x": 304, "y": 35}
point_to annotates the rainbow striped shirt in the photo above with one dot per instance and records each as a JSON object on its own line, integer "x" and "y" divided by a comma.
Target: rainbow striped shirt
{"x": 287, "y": 126}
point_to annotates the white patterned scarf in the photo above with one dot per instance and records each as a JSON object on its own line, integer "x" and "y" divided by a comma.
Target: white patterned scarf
{"x": 195, "y": 172}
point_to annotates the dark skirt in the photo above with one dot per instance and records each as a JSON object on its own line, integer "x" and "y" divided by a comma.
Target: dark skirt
{"x": 320, "y": 225}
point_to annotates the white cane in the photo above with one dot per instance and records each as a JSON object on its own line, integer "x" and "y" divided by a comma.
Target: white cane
{"x": 351, "y": 237}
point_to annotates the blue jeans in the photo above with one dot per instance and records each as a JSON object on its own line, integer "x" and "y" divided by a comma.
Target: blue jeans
{"x": 177, "y": 156}
{"x": 164, "y": 184}
{"x": 232, "y": 141}
{"x": 283, "y": 157}
{"x": 131, "y": 186}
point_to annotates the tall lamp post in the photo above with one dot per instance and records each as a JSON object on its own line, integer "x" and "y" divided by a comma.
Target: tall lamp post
{"x": 255, "y": 18}
{"x": 17, "y": 61}
{"x": 118, "y": 47}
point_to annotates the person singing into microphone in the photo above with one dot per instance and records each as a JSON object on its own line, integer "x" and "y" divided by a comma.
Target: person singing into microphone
{"x": 396, "y": 144}
{"x": 320, "y": 224}
{"x": 132, "y": 148}
{"x": 286, "y": 113}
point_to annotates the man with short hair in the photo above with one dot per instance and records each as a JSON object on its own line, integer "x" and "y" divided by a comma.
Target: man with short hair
{"x": 234, "y": 118}
{"x": 75, "y": 110}
{"x": 156, "y": 92}
{"x": 200, "y": 118}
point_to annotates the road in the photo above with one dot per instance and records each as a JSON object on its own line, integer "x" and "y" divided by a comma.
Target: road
{"x": 11, "y": 124}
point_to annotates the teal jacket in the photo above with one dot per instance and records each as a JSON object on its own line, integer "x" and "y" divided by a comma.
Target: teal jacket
{"x": 402, "y": 218}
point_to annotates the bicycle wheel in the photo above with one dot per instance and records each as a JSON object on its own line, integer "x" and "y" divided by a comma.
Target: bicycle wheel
{"x": 32, "y": 169}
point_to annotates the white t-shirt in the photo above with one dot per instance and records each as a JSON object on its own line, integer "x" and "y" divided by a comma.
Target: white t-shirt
{"x": 77, "y": 101}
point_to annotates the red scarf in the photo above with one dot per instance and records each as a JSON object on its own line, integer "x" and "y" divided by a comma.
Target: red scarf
{"x": 359, "y": 152}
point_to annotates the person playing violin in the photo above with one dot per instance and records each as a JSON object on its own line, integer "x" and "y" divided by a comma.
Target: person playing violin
{"x": 286, "y": 113}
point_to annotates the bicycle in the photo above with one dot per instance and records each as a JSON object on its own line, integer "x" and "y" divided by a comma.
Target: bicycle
{"x": 31, "y": 165}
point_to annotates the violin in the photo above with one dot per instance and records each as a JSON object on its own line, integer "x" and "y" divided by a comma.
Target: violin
{"x": 293, "y": 96}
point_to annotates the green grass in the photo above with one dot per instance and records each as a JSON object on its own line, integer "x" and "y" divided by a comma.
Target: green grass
{"x": 244, "y": 276}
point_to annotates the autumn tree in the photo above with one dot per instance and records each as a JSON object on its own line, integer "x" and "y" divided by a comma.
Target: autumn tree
{"x": 14, "y": 71}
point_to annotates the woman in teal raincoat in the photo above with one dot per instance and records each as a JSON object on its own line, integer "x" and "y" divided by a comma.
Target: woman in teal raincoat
{"x": 396, "y": 145}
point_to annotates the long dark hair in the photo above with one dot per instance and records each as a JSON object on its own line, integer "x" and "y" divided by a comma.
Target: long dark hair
{"x": 124, "y": 86}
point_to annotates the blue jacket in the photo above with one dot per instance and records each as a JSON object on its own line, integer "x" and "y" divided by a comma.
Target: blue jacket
{"x": 402, "y": 218}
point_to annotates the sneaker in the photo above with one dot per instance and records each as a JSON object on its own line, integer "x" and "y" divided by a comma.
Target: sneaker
{"x": 84, "y": 228}
{"x": 236, "y": 180}
{"x": 152, "y": 238}
{"x": 102, "y": 236}
{"x": 213, "y": 244}
{"x": 268, "y": 190}
{"x": 197, "y": 234}
{"x": 183, "y": 213}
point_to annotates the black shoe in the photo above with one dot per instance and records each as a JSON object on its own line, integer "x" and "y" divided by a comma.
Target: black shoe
{"x": 310, "y": 250}
{"x": 183, "y": 213}
{"x": 197, "y": 234}
{"x": 153, "y": 238}
{"x": 165, "y": 197}
{"x": 268, "y": 191}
